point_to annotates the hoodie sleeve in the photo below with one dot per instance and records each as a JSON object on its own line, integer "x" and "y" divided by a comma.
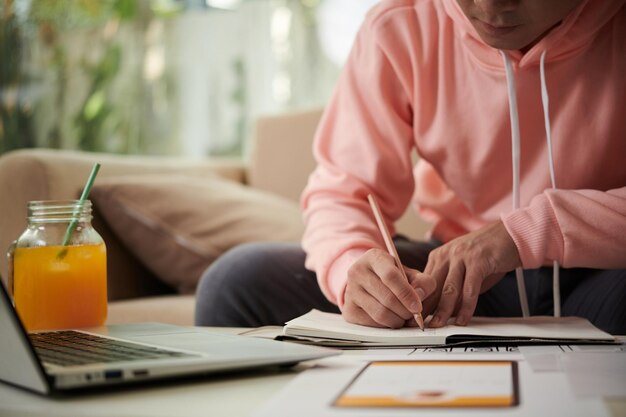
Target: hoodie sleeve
{"x": 577, "y": 228}
{"x": 362, "y": 145}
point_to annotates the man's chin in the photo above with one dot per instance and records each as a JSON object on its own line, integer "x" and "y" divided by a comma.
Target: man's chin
{"x": 504, "y": 44}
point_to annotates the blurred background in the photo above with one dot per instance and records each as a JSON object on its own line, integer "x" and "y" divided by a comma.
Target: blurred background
{"x": 164, "y": 77}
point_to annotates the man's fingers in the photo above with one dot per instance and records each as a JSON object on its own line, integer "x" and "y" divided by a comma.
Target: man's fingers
{"x": 375, "y": 287}
{"x": 355, "y": 314}
{"x": 411, "y": 323}
{"x": 490, "y": 281}
{"x": 469, "y": 297}
{"x": 438, "y": 275}
{"x": 392, "y": 278}
{"x": 383, "y": 316}
{"x": 424, "y": 284}
{"x": 450, "y": 293}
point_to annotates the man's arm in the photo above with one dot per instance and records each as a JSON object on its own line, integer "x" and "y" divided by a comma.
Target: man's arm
{"x": 363, "y": 145}
{"x": 577, "y": 228}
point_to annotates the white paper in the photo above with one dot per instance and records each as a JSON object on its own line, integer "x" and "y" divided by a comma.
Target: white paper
{"x": 329, "y": 325}
{"x": 457, "y": 384}
{"x": 313, "y": 392}
{"x": 319, "y": 324}
{"x": 544, "y": 358}
{"x": 505, "y": 353}
{"x": 596, "y": 374}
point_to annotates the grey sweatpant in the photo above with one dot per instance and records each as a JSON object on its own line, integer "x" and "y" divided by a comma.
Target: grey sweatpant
{"x": 267, "y": 284}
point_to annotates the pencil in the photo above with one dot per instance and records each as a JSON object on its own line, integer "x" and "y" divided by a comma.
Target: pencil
{"x": 391, "y": 248}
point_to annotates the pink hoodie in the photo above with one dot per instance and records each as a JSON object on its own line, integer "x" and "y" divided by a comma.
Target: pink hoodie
{"x": 419, "y": 77}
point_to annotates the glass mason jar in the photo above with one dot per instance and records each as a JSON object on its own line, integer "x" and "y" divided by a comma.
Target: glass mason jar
{"x": 56, "y": 286}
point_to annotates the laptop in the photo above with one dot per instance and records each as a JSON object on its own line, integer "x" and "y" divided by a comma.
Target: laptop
{"x": 52, "y": 362}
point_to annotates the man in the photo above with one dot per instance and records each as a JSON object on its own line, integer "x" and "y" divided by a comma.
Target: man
{"x": 516, "y": 110}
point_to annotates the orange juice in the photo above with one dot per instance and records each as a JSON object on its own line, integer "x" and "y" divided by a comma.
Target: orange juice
{"x": 52, "y": 292}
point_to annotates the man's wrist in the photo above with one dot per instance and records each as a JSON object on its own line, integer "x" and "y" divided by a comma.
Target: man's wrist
{"x": 337, "y": 275}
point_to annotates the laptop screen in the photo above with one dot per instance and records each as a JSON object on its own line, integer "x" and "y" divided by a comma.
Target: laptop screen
{"x": 19, "y": 365}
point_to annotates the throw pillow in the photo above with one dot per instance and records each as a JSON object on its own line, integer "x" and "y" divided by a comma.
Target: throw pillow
{"x": 177, "y": 225}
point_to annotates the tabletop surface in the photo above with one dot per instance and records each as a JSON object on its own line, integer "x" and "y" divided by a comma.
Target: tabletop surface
{"x": 239, "y": 394}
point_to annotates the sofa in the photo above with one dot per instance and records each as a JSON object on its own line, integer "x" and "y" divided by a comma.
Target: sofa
{"x": 269, "y": 178}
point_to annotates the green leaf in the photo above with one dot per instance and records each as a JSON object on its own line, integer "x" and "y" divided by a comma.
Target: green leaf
{"x": 166, "y": 8}
{"x": 94, "y": 105}
{"x": 125, "y": 9}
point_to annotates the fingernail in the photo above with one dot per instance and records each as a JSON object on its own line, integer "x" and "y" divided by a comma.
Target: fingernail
{"x": 421, "y": 293}
{"x": 461, "y": 320}
{"x": 414, "y": 307}
{"x": 435, "y": 321}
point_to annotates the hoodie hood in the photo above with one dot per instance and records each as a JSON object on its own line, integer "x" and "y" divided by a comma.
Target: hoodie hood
{"x": 573, "y": 35}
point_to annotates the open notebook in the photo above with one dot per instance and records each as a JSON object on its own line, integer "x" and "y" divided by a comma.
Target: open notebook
{"x": 332, "y": 330}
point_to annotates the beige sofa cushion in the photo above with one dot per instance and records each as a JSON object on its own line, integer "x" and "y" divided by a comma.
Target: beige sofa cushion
{"x": 177, "y": 225}
{"x": 44, "y": 174}
{"x": 170, "y": 309}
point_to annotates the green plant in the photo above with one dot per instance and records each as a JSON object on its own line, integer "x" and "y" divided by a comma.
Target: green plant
{"x": 38, "y": 62}
{"x": 90, "y": 18}
{"x": 15, "y": 112}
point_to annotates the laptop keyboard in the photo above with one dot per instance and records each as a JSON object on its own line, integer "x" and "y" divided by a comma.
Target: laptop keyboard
{"x": 67, "y": 348}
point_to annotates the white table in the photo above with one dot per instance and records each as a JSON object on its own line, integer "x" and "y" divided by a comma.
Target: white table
{"x": 224, "y": 395}
{"x": 232, "y": 396}
{"x": 227, "y": 395}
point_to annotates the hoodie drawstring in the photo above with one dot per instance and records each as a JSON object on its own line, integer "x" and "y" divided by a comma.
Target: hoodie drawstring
{"x": 515, "y": 153}
{"x": 556, "y": 288}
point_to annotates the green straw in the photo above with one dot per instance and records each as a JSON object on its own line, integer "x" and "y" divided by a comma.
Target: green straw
{"x": 75, "y": 216}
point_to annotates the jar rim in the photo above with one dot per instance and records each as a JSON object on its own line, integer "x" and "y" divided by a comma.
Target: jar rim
{"x": 54, "y": 203}
{"x": 59, "y": 210}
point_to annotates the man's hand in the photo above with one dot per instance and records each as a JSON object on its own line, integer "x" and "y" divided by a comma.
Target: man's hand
{"x": 467, "y": 266}
{"x": 378, "y": 295}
